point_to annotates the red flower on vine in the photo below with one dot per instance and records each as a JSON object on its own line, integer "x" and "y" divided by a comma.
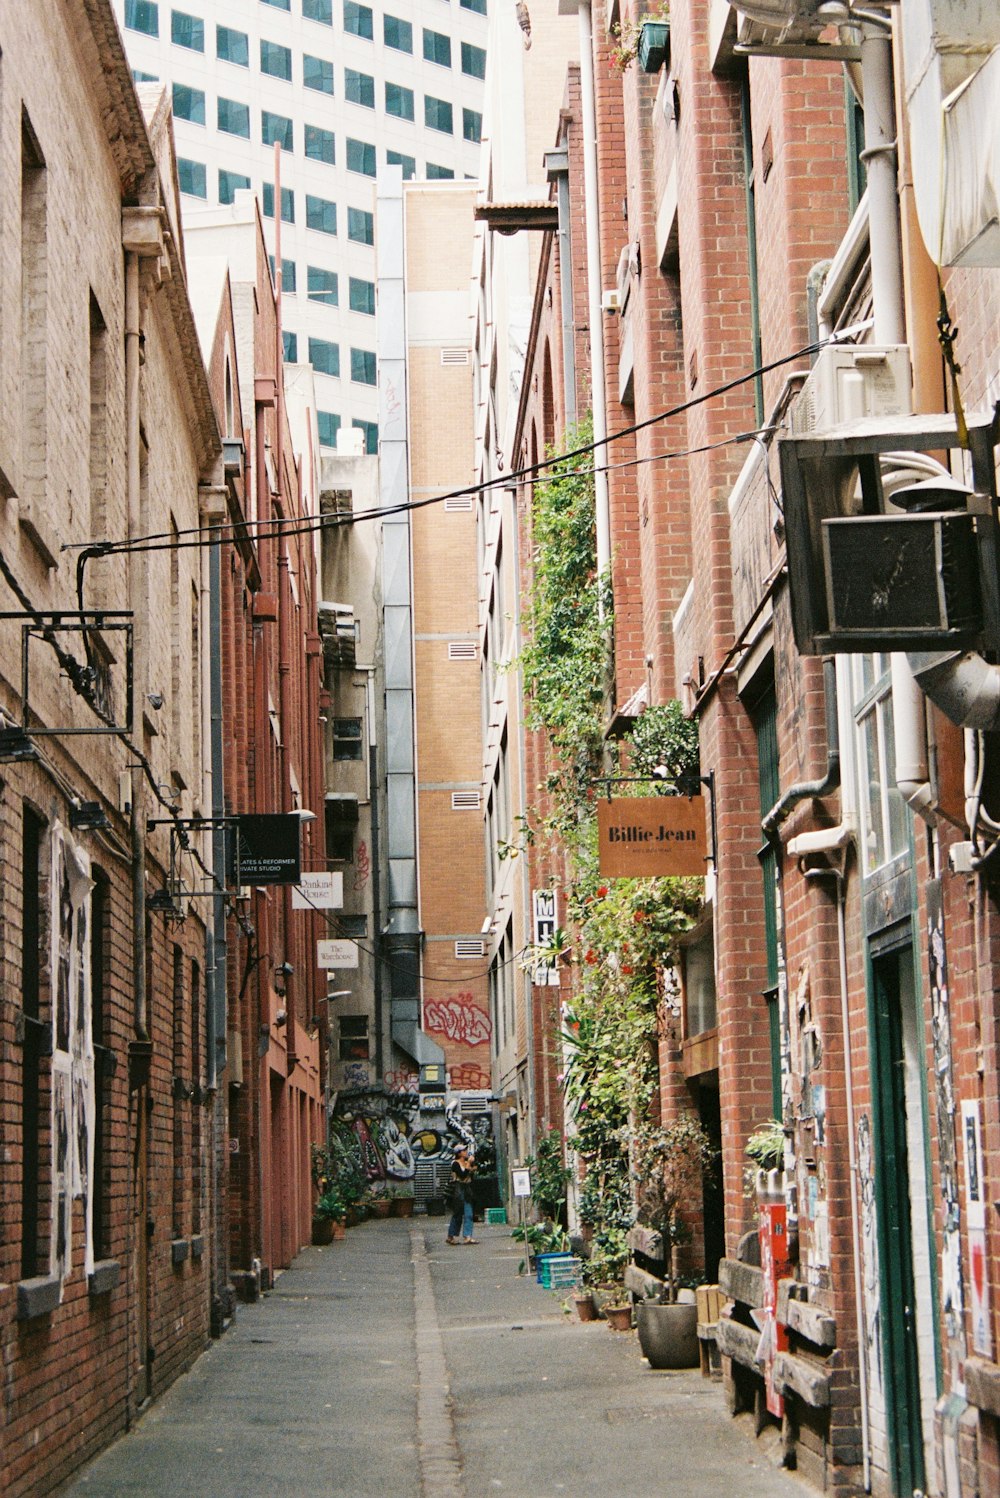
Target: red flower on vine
{"x": 590, "y": 956}
{"x": 601, "y": 891}
{"x": 640, "y": 915}
{"x": 627, "y": 968}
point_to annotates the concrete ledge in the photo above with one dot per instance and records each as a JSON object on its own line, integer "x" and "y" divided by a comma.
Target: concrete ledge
{"x": 810, "y": 1382}
{"x": 812, "y": 1323}
{"x": 738, "y": 1342}
{"x": 104, "y": 1277}
{"x": 741, "y": 1282}
{"x": 982, "y": 1385}
{"x": 646, "y": 1241}
{"x": 197, "y": 1245}
{"x": 179, "y": 1249}
{"x": 644, "y": 1286}
{"x": 37, "y": 1297}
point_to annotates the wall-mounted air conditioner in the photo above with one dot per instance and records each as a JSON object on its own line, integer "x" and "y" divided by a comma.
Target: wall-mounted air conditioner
{"x": 850, "y": 383}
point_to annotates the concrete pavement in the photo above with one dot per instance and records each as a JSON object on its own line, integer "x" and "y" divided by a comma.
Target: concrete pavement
{"x": 392, "y": 1363}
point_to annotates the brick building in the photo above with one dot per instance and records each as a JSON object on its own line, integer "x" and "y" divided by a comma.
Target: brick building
{"x": 849, "y": 912}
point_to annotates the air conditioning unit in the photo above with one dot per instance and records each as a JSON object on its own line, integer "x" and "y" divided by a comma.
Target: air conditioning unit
{"x": 849, "y": 383}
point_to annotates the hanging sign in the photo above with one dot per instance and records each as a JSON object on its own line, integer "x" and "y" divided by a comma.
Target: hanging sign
{"x": 334, "y": 954}
{"x": 318, "y": 891}
{"x": 266, "y": 849}
{"x": 646, "y": 836}
{"x": 543, "y": 903}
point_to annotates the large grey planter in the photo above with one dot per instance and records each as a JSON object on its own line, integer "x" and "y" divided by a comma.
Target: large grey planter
{"x": 668, "y": 1335}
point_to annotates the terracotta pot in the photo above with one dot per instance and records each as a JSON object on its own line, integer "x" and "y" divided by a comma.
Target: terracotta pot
{"x": 585, "y": 1308}
{"x": 339, "y": 1231}
{"x": 668, "y": 1335}
{"x": 381, "y": 1206}
{"x": 619, "y": 1318}
{"x": 402, "y": 1206}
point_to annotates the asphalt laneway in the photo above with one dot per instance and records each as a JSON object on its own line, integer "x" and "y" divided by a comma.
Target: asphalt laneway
{"x": 394, "y": 1366}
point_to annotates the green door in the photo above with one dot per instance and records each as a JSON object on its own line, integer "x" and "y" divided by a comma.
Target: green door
{"x": 892, "y": 1187}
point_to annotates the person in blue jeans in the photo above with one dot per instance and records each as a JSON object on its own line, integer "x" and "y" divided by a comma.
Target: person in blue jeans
{"x": 462, "y": 1170}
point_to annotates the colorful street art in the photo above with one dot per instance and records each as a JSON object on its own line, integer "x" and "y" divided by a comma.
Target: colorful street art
{"x": 459, "y": 1019}
{"x": 392, "y": 1142}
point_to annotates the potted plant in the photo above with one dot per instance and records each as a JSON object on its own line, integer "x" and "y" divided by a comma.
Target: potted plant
{"x": 646, "y": 39}
{"x": 328, "y": 1216}
{"x": 604, "y": 1273}
{"x": 401, "y": 1198}
{"x": 766, "y": 1148}
{"x": 669, "y": 1166}
{"x": 378, "y": 1202}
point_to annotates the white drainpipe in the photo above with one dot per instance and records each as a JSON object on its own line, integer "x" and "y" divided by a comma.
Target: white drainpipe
{"x": 596, "y": 315}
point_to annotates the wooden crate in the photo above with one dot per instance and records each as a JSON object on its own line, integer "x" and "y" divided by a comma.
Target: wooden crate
{"x": 709, "y": 1298}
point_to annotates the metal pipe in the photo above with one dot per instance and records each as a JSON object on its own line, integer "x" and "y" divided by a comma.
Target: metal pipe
{"x": 806, "y": 789}
{"x": 592, "y": 215}
{"x": 137, "y": 592}
{"x": 879, "y": 157}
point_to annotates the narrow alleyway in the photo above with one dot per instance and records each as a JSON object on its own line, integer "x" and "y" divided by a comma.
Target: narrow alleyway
{"x": 339, "y": 1382}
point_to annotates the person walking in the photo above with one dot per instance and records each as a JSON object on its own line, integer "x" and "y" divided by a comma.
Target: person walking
{"x": 462, "y": 1170}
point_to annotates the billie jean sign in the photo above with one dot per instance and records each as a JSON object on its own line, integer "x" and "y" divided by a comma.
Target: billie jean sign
{"x": 645, "y": 836}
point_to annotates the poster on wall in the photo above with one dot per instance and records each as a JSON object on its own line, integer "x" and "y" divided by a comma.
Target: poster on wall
{"x": 543, "y": 904}
{"x": 72, "y": 1050}
{"x": 975, "y": 1216}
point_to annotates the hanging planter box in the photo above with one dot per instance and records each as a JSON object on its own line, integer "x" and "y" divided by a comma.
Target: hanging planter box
{"x": 654, "y": 45}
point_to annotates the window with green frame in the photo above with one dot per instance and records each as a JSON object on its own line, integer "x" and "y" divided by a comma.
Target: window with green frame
{"x": 188, "y": 103}
{"x": 317, "y": 74}
{"x": 885, "y": 826}
{"x": 322, "y": 285}
{"x": 230, "y": 183}
{"x": 287, "y": 274}
{"x": 287, "y": 203}
{"x": 473, "y": 61}
{"x": 318, "y": 10}
{"x": 290, "y": 346}
{"x": 187, "y": 31}
{"x": 324, "y": 356}
{"x": 361, "y": 295}
{"x": 361, "y": 226}
{"x": 232, "y": 46}
{"x": 479, "y": 6}
{"x": 438, "y": 115}
{"x": 399, "y": 101}
{"x": 472, "y": 125}
{"x": 370, "y": 430}
{"x": 321, "y": 215}
{"x": 437, "y": 173}
{"x": 397, "y": 33}
{"x": 358, "y": 20}
{"x": 359, "y": 88}
{"x": 320, "y": 144}
{"x": 192, "y": 178}
{"x": 361, "y": 157}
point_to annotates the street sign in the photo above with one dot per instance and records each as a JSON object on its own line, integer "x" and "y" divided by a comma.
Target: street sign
{"x": 318, "y": 891}
{"x": 522, "y": 1182}
{"x": 335, "y": 954}
{"x": 642, "y": 836}
{"x": 267, "y": 849}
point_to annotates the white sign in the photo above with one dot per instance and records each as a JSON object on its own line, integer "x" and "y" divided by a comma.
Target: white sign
{"x": 334, "y": 954}
{"x": 522, "y": 1182}
{"x": 319, "y": 892}
{"x": 546, "y": 973}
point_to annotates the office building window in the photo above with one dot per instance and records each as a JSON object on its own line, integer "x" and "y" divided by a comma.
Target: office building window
{"x": 187, "y": 31}
{"x": 276, "y": 60}
{"x": 360, "y": 157}
{"x": 362, "y": 296}
{"x": 473, "y": 60}
{"x": 287, "y": 273}
{"x": 278, "y": 4}
{"x": 438, "y": 115}
{"x": 397, "y": 33}
{"x": 399, "y": 101}
{"x": 328, "y": 425}
{"x": 347, "y": 743}
{"x": 276, "y": 127}
{"x": 317, "y": 73}
{"x": 290, "y": 342}
{"x": 359, "y": 88}
{"x": 341, "y": 828}
{"x": 362, "y": 366}
{"x": 370, "y": 429}
{"x": 360, "y": 226}
{"x": 143, "y": 15}
{"x": 138, "y": 76}
{"x": 320, "y": 145}
{"x": 321, "y": 215}
{"x": 287, "y": 203}
{"x": 324, "y": 356}
{"x": 358, "y": 20}
{"x": 234, "y": 117}
{"x": 318, "y": 10}
{"x": 408, "y": 163}
{"x": 322, "y": 286}
{"x": 435, "y": 173}
{"x": 189, "y": 104}
{"x": 437, "y": 48}
{"x": 479, "y": 6}
{"x": 232, "y": 46}
{"x": 230, "y": 184}
{"x": 191, "y": 178}
{"x": 472, "y": 125}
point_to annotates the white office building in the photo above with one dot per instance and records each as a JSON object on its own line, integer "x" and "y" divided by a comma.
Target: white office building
{"x": 343, "y": 87}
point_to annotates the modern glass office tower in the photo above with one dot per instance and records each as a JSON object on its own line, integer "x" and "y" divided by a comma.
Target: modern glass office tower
{"x": 343, "y": 87}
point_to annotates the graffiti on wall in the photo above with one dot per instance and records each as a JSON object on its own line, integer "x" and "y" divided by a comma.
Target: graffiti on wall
{"x": 952, "y": 1297}
{"x": 73, "y": 1103}
{"x": 869, "y": 1255}
{"x": 458, "y": 1019}
{"x": 391, "y": 1141}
